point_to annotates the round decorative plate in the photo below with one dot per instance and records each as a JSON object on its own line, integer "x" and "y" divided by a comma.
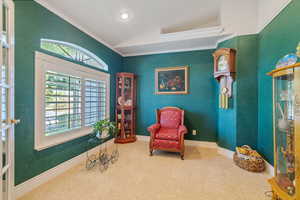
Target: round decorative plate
{"x": 289, "y": 59}
{"x": 121, "y": 101}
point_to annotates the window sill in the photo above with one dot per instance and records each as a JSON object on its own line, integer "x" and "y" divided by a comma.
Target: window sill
{"x": 44, "y": 63}
{"x": 43, "y": 142}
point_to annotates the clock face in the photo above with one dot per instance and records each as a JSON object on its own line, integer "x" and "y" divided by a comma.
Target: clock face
{"x": 223, "y": 64}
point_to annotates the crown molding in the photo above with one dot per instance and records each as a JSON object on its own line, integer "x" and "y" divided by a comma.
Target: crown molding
{"x": 195, "y": 33}
{"x": 201, "y": 33}
{"x": 230, "y": 36}
{"x": 74, "y": 23}
{"x": 275, "y": 14}
{"x": 171, "y": 51}
{"x": 165, "y": 37}
{"x": 226, "y": 38}
{"x": 168, "y": 39}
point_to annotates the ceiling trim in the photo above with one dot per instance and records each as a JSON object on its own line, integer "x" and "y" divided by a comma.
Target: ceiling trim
{"x": 74, "y": 23}
{"x": 166, "y": 37}
{"x": 275, "y": 13}
{"x": 226, "y": 38}
{"x": 184, "y": 49}
{"x": 171, "y": 51}
{"x": 169, "y": 39}
{"x": 200, "y": 32}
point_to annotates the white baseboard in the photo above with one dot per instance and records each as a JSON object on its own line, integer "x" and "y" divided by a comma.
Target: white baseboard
{"x": 269, "y": 170}
{"x": 201, "y": 143}
{"x": 225, "y": 152}
{"x": 229, "y": 154}
{"x": 146, "y": 138}
{"x": 42, "y": 178}
{"x": 222, "y": 151}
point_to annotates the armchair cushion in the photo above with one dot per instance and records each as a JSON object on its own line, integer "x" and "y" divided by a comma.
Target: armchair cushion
{"x": 154, "y": 128}
{"x": 167, "y": 134}
{"x": 170, "y": 118}
{"x": 182, "y": 130}
{"x": 166, "y": 144}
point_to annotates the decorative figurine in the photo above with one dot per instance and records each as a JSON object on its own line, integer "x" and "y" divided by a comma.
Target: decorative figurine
{"x": 287, "y": 60}
{"x": 286, "y": 116}
{"x": 282, "y": 122}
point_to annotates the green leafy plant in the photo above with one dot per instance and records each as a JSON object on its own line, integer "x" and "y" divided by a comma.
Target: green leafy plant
{"x": 105, "y": 125}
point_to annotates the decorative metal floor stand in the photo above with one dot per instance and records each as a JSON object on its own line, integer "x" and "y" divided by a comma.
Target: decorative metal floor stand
{"x": 103, "y": 158}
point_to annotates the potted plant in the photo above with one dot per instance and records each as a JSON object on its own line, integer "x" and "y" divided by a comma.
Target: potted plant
{"x": 104, "y": 128}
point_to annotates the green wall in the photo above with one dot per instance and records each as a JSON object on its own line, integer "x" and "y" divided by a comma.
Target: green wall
{"x": 278, "y": 39}
{"x": 257, "y": 55}
{"x": 33, "y": 22}
{"x": 200, "y": 104}
{"x": 247, "y": 91}
{"x": 248, "y": 121}
{"x": 238, "y": 125}
{"x": 227, "y": 118}
{"x": 230, "y": 128}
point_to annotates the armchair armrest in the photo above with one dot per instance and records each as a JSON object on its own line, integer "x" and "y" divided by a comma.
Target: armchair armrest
{"x": 182, "y": 130}
{"x": 153, "y": 128}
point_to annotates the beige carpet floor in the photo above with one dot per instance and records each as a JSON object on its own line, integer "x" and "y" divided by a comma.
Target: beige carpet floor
{"x": 203, "y": 175}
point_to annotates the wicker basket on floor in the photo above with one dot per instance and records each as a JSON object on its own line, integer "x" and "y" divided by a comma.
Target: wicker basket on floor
{"x": 249, "y": 163}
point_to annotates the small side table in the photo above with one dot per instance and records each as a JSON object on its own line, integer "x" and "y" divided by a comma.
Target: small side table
{"x": 103, "y": 157}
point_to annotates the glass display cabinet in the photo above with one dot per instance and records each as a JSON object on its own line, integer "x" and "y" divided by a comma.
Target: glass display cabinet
{"x": 286, "y": 127}
{"x": 126, "y": 107}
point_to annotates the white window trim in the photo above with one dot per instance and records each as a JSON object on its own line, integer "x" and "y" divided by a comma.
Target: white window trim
{"x": 43, "y": 63}
{"x": 93, "y": 56}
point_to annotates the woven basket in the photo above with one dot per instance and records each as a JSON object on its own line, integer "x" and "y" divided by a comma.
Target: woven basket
{"x": 252, "y": 165}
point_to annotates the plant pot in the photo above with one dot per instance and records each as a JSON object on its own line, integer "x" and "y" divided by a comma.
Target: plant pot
{"x": 104, "y": 134}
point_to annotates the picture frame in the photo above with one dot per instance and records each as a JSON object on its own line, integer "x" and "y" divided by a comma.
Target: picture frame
{"x": 172, "y": 80}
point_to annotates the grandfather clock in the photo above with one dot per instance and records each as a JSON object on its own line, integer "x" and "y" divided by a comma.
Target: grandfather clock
{"x": 224, "y": 72}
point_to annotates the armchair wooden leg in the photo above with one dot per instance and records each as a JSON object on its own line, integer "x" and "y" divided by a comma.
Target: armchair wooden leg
{"x": 182, "y": 156}
{"x": 151, "y": 152}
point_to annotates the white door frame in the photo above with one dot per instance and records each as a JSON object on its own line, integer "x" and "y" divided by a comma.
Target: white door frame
{"x": 10, "y": 121}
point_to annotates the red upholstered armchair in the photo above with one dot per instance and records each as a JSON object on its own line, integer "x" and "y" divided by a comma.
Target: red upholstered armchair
{"x": 168, "y": 132}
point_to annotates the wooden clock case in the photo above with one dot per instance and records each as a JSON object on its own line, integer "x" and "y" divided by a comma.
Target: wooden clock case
{"x": 225, "y": 75}
{"x": 230, "y": 55}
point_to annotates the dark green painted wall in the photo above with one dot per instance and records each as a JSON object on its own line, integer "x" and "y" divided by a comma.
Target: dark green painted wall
{"x": 232, "y": 127}
{"x": 227, "y": 118}
{"x": 199, "y": 104}
{"x": 278, "y": 39}
{"x": 33, "y": 22}
{"x": 238, "y": 125}
{"x": 249, "y": 121}
{"x": 247, "y": 91}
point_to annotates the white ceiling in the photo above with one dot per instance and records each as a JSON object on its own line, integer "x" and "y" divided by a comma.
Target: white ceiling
{"x": 142, "y": 34}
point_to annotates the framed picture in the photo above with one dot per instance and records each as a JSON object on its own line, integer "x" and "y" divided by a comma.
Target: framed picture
{"x": 171, "y": 80}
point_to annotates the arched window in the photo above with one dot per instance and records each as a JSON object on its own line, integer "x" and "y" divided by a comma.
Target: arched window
{"x": 73, "y": 52}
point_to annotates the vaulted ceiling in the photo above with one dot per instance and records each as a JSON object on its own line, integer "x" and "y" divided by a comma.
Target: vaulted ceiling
{"x": 155, "y": 26}
{"x": 147, "y": 20}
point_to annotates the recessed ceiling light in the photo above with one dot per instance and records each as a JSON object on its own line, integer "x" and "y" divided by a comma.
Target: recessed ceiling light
{"x": 124, "y": 16}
